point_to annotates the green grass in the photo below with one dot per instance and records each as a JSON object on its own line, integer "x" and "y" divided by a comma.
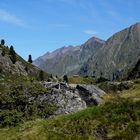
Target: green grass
{"x": 81, "y": 80}
{"x": 116, "y": 119}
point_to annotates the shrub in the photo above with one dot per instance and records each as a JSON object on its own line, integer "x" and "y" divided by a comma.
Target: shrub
{"x": 65, "y": 78}
{"x": 101, "y": 79}
{"x": 10, "y": 117}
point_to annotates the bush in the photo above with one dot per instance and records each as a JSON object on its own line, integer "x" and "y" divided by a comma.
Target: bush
{"x": 65, "y": 78}
{"x": 10, "y": 117}
{"x": 22, "y": 103}
{"x": 101, "y": 79}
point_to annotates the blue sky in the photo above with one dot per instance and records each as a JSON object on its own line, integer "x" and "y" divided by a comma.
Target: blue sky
{"x": 37, "y": 26}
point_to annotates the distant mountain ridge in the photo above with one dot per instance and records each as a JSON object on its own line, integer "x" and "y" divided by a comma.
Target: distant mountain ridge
{"x": 111, "y": 59}
{"x": 117, "y": 57}
{"x": 68, "y": 60}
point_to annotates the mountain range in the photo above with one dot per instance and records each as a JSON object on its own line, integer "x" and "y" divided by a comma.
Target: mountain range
{"x": 32, "y": 102}
{"x": 69, "y": 60}
{"x": 111, "y": 59}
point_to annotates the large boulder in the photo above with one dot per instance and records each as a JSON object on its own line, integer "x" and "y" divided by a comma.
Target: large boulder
{"x": 91, "y": 94}
{"x": 69, "y": 99}
{"x": 65, "y": 100}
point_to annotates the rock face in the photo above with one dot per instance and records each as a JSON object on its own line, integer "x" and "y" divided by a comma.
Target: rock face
{"x": 135, "y": 71}
{"x": 120, "y": 53}
{"x": 91, "y": 94}
{"x": 66, "y": 101}
{"x": 68, "y": 60}
{"x": 70, "y": 99}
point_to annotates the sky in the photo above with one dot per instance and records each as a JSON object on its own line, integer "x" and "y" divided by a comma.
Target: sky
{"x": 38, "y": 26}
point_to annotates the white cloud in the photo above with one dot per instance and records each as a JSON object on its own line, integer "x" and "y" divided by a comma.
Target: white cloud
{"x": 10, "y": 18}
{"x": 90, "y": 32}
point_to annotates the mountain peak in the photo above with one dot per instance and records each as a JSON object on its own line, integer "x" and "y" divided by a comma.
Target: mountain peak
{"x": 119, "y": 54}
{"x": 69, "y": 59}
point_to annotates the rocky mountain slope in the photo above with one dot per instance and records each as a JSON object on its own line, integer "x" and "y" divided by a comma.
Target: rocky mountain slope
{"x": 117, "y": 57}
{"x": 21, "y": 67}
{"x": 19, "y": 90}
{"x": 68, "y": 60}
{"x": 23, "y": 97}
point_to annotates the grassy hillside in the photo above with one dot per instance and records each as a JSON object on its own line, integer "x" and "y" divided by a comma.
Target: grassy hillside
{"x": 81, "y": 80}
{"x": 21, "y": 67}
{"x": 19, "y": 91}
{"x": 118, "y": 118}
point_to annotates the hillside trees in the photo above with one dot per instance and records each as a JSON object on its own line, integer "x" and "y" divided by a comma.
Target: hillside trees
{"x": 2, "y": 42}
{"x": 41, "y": 75}
{"x": 30, "y": 59}
{"x": 3, "y": 52}
{"x": 12, "y": 54}
{"x": 65, "y": 78}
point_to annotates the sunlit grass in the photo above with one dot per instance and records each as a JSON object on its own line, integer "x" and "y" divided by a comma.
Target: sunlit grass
{"x": 117, "y": 118}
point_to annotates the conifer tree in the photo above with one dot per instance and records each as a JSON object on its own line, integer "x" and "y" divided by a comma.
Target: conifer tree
{"x": 65, "y": 78}
{"x": 41, "y": 75}
{"x": 2, "y": 42}
{"x": 3, "y": 52}
{"x": 30, "y": 59}
{"x": 12, "y": 54}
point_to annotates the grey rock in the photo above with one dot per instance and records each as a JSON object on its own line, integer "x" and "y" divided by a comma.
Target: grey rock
{"x": 91, "y": 94}
{"x": 70, "y": 99}
{"x": 66, "y": 101}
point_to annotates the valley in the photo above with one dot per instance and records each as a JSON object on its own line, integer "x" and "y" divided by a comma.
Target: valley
{"x": 87, "y": 92}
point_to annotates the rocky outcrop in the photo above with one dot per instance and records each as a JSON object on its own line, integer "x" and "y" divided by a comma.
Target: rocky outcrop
{"x": 66, "y": 101}
{"x": 70, "y": 99}
{"x": 91, "y": 94}
{"x": 21, "y": 67}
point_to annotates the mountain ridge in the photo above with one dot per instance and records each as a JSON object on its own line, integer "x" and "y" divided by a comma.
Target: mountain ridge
{"x": 121, "y": 53}
{"x": 112, "y": 59}
{"x": 68, "y": 60}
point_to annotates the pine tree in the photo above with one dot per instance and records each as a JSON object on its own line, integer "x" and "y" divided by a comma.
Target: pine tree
{"x": 30, "y": 59}
{"x": 41, "y": 75}
{"x": 12, "y": 54}
{"x": 2, "y": 42}
{"x": 65, "y": 78}
{"x": 3, "y": 52}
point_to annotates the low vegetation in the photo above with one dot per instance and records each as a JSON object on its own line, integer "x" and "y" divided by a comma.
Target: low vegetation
{"x": 81, "y": 80}
{"x": 19, "y": 101}
{"x": 20, "y": 89}
{"x": 116, "y": 119}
